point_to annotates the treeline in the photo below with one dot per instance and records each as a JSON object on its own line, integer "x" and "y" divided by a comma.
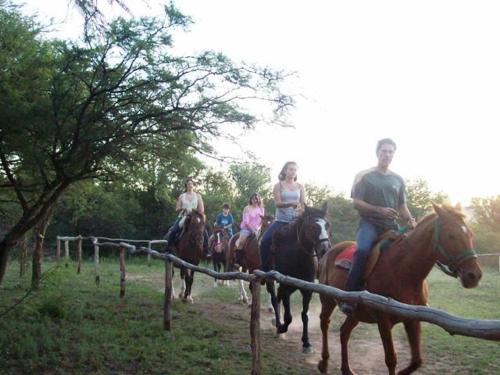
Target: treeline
{"x": 98, "y": 135}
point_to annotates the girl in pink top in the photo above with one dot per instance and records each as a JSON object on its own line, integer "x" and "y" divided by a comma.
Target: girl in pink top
{"x": 252, "y": 218}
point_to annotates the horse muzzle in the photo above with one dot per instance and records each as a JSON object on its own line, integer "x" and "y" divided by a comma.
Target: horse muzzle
{"x": 469, "y": 273}
{"x": 322, "y": 247}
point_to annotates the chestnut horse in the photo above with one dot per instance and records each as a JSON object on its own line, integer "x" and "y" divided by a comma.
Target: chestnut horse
{"x": 248, "y": 258}
{"x": 296, "y": 249}
{"x": 219, "y": 243}
{"x": 190, "y": 249}
{"x": 440, "y": 238}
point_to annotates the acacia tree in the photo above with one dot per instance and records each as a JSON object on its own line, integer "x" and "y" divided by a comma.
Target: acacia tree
{"x": 71, "y": 112}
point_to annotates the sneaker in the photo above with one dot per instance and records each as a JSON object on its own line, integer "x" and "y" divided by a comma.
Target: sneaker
{"x": 347, "y": 308}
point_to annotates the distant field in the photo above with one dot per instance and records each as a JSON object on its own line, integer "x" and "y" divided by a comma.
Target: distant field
{"x": 73, "y": 327}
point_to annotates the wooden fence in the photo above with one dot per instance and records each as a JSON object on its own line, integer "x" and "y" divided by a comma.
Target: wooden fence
{"x": 484, "y": 329}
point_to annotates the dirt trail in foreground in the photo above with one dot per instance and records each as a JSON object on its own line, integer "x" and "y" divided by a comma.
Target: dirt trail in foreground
{"x": 366, "y": 352}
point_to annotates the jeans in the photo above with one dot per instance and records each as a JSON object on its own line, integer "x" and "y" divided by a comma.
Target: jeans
{"x": 173, "y": 231}
{"x": 265, "y": 245}
{"x": 366, "y": 235}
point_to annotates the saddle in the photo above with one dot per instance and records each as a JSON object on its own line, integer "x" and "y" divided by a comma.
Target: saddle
{"x": 344, "y": 259}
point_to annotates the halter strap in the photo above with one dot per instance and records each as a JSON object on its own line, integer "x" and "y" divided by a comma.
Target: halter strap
{"x": 315, "y": 244}
{"x": 453, "y": 259}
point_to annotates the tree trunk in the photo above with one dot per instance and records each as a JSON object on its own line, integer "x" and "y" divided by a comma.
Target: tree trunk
{"x": 39, "y": 231}
{"x": 30, "y": 218}
{"x": 23, "y": 257}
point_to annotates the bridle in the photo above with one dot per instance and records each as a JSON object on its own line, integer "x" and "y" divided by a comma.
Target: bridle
{"x": 453, "y": 260}
{"x": 315, "y": 244}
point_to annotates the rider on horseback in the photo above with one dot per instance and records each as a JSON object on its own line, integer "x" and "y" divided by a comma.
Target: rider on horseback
{"x": 225, "y": 219}
{"x": 379, "y": 195}
{"x": 289, "y": 197}
{"x": 252, "y": 219}
{"x": 187, "y": 201}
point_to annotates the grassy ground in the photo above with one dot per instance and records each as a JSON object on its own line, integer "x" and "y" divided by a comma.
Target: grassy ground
{"x": 73, "y": 327}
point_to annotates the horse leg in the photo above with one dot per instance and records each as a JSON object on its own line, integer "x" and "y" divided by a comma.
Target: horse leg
{"x": 306, "y": 299}
{"x": 274, "y": 302}
{"x": 183, "y": 282}
{"x": 189, "y": 284}
{"x": 345, "y": 333}
{"x": 384, "y": 328}
{"x": 215, "y": 269}
{"x": 243, "y": 293}
{"x": 269, "y": 304}
{"x": 413, "y": 331}
{"x": 284, "y": 295}
{"x": 327, "y": 306}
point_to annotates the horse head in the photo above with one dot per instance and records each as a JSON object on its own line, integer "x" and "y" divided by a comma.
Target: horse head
{"x": 195, "y": 224}
{"x": 452, "y": 241}
{"x": 312, "y": 228}
{"x": 220, "y": 237}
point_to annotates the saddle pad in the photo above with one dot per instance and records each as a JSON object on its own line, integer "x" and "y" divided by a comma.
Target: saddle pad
{"x": 344, "y": 259}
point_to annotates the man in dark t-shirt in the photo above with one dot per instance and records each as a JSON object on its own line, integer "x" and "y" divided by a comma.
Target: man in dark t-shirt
{"x": 379, "y": 195}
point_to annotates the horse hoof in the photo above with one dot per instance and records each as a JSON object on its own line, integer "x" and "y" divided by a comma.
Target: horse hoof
{"x": 282, "y": 329}
{"x": 181, "y": 296}
{"x": 323, "y": 366}
{"x": 190, "y": 299}
{"x": 308, "y": 349}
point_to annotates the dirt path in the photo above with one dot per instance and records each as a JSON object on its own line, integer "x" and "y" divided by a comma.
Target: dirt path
{"x": 365, "y": 348}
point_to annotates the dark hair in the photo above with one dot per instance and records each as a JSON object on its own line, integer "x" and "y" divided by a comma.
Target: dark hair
{"x": 282, "y": 174}
{"x": 186, "y": 182}
{"x": 226, "y": 206}
{"x": 251, "y": 197}
{"x": 386, "y": 141}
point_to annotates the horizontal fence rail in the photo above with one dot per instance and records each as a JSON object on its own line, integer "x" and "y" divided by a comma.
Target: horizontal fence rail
{"x": 484, "y": 329}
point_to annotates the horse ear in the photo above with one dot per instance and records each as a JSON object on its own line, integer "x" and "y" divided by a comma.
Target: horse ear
{"x": 324, "y": 207}
{"x": 438, "y": 209}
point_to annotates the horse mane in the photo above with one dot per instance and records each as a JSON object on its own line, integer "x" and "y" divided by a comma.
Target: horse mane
{"x": 452, "y": 211}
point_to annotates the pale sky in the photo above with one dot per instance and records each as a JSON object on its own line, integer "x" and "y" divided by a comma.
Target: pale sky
{"x": 426, "y": 74}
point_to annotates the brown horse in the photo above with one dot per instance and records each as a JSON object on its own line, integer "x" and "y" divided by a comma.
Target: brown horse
{"x": 248, "y": 258}
{"x": 218, "y": 248}
{"x": 190, "y": 249}
{"x": 440, "y": 238}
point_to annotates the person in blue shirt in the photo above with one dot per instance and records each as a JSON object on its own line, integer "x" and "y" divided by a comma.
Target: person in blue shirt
{"x": 225, "y": 219}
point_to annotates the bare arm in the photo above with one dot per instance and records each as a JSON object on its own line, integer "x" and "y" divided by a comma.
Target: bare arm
{"x": 178, "y": 204}
{"x": 367, "y": 208}
{"x": 302, "y": 199}
{"x": 406, "y": 215}
{"x": 201, "y": 206}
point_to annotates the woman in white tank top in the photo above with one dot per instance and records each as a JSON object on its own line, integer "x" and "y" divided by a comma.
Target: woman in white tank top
{"x": 187, "y": 201}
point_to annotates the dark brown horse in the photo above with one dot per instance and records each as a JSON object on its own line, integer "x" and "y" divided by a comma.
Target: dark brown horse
{"x": 400, "y": 272}
{"x": 296, "y": 249}
{"x": 190, "y": 249}
{"x": 219, "y": 248}
{"x": 248, "y": 258}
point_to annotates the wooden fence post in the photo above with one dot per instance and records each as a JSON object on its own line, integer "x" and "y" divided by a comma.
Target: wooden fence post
{"x": 78, "y": 268}
{"x": 167, "y": 318}
{"x": 96, "y": 261}
{"x": 122, "y": 271}
{"x": 58, "y": 251}
{"x": 255, "y": 327}
{"x": 66, "y": 253}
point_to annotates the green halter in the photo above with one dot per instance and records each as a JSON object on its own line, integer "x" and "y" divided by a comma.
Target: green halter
{"x": 453, "y": 259}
